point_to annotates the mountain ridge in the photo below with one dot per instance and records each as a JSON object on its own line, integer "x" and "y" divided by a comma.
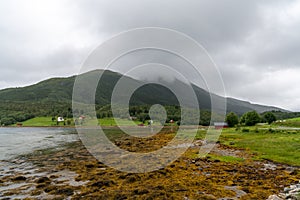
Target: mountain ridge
{"x": 61, "y": 90}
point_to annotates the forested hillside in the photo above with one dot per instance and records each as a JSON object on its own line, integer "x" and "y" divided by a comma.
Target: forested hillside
{"x": 53, "y": 97}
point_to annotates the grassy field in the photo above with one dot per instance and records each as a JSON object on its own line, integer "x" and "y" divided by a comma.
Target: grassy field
{"x": 47, "y": 121}
{"x": 39, "y": 121}
{"x": 230, "y": 159}
{"x": 277, "y": 145}
{"x": 110, "y": 122}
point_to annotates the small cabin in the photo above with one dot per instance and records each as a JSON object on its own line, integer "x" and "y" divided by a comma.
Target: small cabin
{"x": 220, "y": 125}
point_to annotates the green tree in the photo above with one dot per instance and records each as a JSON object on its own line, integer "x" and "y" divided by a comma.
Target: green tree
{"x": 243, "y": 119}
{"x": 7, "y": 121}
{"x": 232, "y": 119}
{"x": 252, "y": 118}
{"x": 269, "y": 117}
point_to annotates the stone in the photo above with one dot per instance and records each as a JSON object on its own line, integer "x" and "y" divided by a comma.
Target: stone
{"x": 274, "y": 197}
{"x": 287, "y": 189}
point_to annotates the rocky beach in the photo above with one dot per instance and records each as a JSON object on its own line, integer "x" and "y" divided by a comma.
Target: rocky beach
{"x": 70, "y": 172}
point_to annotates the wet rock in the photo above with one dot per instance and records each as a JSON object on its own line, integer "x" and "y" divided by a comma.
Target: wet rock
{"x": 294, "y": 172}
{"x": 292, "y": 193}
{"x": 65, "y": 191}
{"x": 53, "y": 176}
{"x": 274, "y": 197}
{"x": 43, "y": 185}
{"x": 20, "y": 178}
{"x": 120, "y": 197}
{"x": 163, "y": 172}
{"x": 43, "y": 180}
{"x": 89, "y": 166}
{"x": 132, "y": 178}
{"x": 269, "y": 166}
{"x": 103, "y": 183}
{"x": 50, "y": 188}
{"x": 122, "y": 176}
{"x": 160, "y": 187}
{"x": 140, "y": 191}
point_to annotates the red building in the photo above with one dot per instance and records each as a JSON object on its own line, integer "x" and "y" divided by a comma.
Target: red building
{"x": 220, "y": 125}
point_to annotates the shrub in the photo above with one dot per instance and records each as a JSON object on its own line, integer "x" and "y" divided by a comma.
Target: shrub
{"x": 245, "y": 130}
{"x": 271, "y": 130}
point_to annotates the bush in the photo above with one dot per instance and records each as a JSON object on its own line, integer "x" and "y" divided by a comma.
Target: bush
{"x": 232, "y": 119}
{"x": 7, "y": 121}
{"x": 251, "y": 118}
{"x": 245, "y": 130}
{"x": 269, "y": 117}
{"x": 68, "y": 122}
{"x": 238, "y": 127}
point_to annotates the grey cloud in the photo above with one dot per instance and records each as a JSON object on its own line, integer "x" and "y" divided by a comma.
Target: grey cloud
{"x": 248, "y": 40}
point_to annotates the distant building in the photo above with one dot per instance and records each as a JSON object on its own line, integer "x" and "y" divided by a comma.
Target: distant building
{"x": 219, "y": 125}
{"x": 132, "y": 118}
{"x": 82, "y": 117}
{"x": 60, "y": 119}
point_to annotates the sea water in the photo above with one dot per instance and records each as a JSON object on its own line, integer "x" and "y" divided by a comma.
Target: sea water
{"x": 23, "y": 140}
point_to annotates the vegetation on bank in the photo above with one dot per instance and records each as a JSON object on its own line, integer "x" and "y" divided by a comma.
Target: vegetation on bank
{"x": 264, "y": 141}
{"x": 294, "y": 122}
{"x": 140, "y": 115}
{"x": 45, "y": 122}
{"x": 267, "y": 143}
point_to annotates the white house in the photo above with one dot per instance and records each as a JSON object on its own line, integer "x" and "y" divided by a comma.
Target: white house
{"x": 60, "y": 119}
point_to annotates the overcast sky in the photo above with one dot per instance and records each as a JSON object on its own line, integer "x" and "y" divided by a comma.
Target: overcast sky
{"x": 255, "y": 44}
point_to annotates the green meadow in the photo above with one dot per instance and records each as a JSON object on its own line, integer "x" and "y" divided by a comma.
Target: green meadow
{"x": 47, "y": 122}
{"x": 281, "y": 146}
{"x": 39, "y": 121}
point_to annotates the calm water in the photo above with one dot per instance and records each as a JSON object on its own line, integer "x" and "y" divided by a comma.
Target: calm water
{"x": 17, "y": 141}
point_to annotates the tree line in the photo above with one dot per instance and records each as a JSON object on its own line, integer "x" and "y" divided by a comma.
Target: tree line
{"x": 13, "y": 112}
{"x": 250, "y": 118}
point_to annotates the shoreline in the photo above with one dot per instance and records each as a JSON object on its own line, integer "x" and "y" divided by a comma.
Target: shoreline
{"x": 69, "y": 171}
